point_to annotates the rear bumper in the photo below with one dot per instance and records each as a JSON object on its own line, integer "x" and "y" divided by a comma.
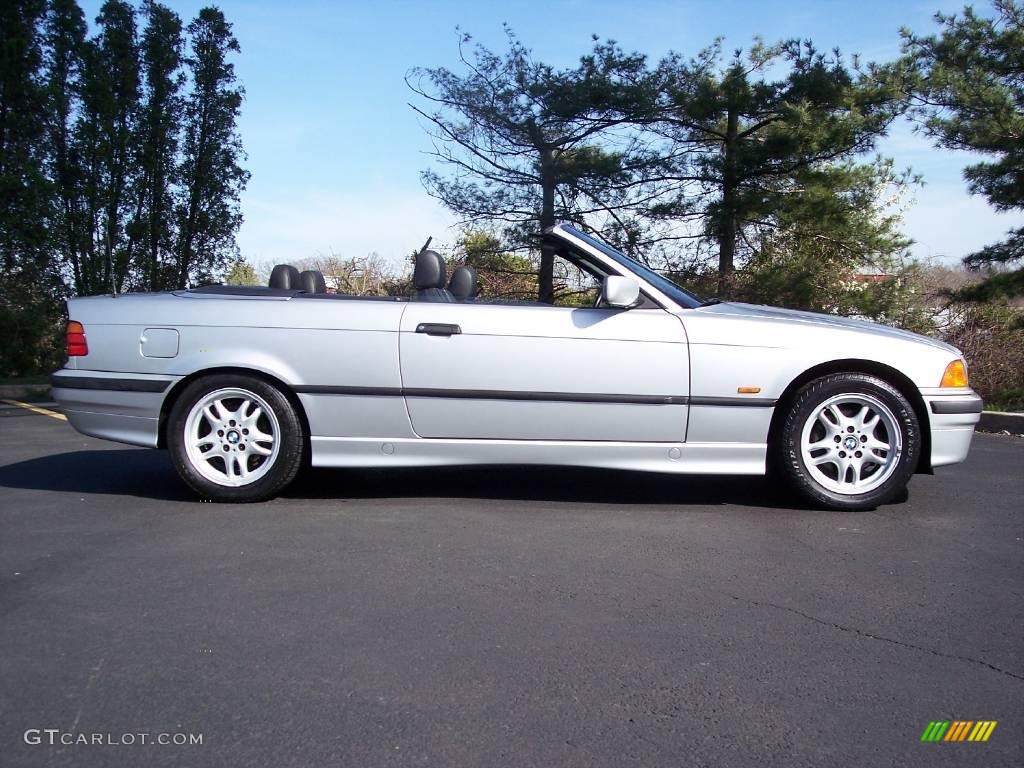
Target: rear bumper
{"x": 112, "y": 406}
{"x": 953, "y": 416}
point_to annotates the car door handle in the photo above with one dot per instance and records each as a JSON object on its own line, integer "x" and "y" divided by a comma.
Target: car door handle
{"x": 438, "y": 329}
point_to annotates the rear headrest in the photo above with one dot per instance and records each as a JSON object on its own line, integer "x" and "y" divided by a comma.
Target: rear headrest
{"x": 463, "y": 284}
{"x": 430, "y": 270}
{"x": 312, "y": 281}
{"x": 285, "y": 277}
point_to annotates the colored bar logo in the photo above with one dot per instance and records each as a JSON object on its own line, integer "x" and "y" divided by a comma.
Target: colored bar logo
{"x": 958, "y": 730}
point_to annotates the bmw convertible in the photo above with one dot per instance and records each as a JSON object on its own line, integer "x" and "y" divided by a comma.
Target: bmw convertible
{"x": 243, "y": 385}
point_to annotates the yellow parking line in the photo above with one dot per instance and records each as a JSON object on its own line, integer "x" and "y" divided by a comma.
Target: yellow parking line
{"x": 36, "y": 409}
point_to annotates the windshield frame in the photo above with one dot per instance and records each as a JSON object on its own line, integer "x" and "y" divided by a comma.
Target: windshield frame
{"x": 668, "y": 289}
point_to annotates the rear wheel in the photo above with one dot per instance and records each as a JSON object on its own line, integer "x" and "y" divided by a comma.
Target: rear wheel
{"x": 235, "y": 438}
{"x": 850, "y": 442}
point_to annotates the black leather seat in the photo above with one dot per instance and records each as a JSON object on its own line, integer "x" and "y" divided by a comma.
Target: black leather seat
{"x": 464, "y": 285}
{"x": 430, "y": 277}
{"x": 312, "y": 281}
{"x": 285, "y": 277}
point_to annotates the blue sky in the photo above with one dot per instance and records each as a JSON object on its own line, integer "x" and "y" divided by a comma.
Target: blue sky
{"x": 335, "y": 152}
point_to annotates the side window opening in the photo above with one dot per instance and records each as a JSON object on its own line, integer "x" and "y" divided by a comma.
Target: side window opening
{"x": 575, "y": 286}
{"x": 512, "y": 278}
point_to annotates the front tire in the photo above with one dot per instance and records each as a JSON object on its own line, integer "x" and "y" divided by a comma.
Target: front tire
{"x": 235, "y": 438}
{"x": 849, "y": 442}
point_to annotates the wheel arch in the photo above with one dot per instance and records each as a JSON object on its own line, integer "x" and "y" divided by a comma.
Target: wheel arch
{"x": 887, "y": 373}
{"x": 179, "y": 387}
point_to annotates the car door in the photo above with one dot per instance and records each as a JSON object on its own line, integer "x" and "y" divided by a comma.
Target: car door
{"x": 539, "y": 372}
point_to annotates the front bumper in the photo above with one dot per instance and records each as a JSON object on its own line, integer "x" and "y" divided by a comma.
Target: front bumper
{"x": 112, "y": 406}
{"x": 953, "y": 414}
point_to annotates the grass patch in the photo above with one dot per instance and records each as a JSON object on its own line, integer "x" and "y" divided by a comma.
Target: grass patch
{"x": 26, "y": 380}
{"x": 37, "y": 395}
{"x": 1007, "y": 400}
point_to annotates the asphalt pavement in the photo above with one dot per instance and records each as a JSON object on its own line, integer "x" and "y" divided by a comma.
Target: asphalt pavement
{"x": 500, "y": 617}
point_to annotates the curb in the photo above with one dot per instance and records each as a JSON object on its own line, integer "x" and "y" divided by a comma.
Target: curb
{"x": 998, "y": 421}
{"x": 21, "y": 391}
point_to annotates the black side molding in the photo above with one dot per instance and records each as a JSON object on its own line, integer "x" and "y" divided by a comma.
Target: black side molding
{"x": 737, "y": 402}
{"x": 108, "y": 384}
{"x": 549, "y": 397}
{"x": 312, "y": 389}
{"x": 973, "y": 405}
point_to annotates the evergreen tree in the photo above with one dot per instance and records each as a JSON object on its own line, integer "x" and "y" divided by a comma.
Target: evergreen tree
{"x": 106, "y": 132}
{"x": 742, "y": 138}
{"x": 529, "y": 144}
{"x": 23, "y": 189}
{"x": 211, "y": 176}
{"x": 28, "y": 284}
{"x": 241, "y": 272}
{"x": 968, "y": 83}
{"x": 159, "y": 128}
{"x": 837, "y": 247}
{"x": 64, "y": 31}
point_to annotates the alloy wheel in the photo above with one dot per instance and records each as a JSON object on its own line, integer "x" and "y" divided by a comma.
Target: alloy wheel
{"x": 851, "y": 444}
{"x": 232, "y": 437}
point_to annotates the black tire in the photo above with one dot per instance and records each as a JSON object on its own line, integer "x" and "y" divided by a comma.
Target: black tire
{"x": 814, "y": 484}
{"x": 283, "y": 465}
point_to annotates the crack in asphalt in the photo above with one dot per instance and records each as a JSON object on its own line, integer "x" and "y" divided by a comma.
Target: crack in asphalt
{"x": 873, "y": 636}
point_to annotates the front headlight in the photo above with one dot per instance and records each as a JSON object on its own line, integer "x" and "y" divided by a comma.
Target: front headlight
{"x": 955, "y": 375}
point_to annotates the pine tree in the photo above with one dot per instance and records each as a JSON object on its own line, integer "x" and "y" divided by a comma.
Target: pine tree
{"x": 23, "y": 189}
{"x": 740, "y": 136}
{"x": 968, "y": 83}
{"x": 28, "y": 284}
{"x": 530, "y": 145}
{"x": 106, "y": 130}
{"x": 837, "y": 247}
{"x": 159, "y": 129}
{"x": 64, "y": 31}
{"x": 212, "y": 179}
{"x": 241, "y": 272}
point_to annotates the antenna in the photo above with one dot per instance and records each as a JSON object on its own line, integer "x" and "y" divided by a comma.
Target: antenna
{"x": 425, "y": 245}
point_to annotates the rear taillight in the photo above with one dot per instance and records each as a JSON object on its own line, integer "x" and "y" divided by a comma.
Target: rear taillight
{"x": 77, "y": 347}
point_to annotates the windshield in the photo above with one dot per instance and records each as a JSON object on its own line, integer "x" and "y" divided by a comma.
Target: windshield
{"x": 678, "y": 294}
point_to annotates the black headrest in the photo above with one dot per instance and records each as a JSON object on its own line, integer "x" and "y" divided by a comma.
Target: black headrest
{"x": 463, "y": 284}
{"x": 430, "y": 270}
{"x": 285, "y": 277}
{"x": 312, "y": 281}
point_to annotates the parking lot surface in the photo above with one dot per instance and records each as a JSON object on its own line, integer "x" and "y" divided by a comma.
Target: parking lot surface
{"x": 497, "y": 616}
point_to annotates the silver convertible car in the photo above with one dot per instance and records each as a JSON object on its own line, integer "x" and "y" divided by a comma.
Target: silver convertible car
{"x": 244, "y": 384}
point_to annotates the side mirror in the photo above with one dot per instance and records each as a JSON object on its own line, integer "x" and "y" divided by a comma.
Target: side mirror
{"x": 619, "y": 292}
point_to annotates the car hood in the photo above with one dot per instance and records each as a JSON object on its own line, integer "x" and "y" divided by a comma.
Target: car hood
{"x": 758, "y": 312}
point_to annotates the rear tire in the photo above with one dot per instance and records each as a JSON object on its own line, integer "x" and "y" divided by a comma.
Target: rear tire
{"x": 235, "y": 438}
{"x": 849, "y": 442}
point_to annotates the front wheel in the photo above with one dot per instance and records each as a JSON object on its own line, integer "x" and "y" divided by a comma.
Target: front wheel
{"x": 235, "y": 438}
{"x": 850, "y": 442}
